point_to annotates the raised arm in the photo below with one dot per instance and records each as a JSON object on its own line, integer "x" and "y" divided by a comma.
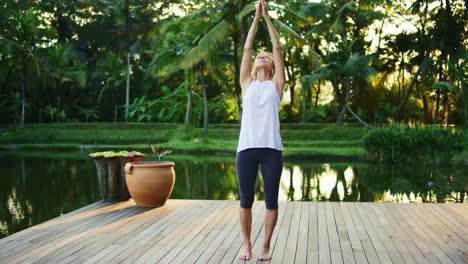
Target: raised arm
{"x": 279, "y": 77}
{"x": 246, "y": 65}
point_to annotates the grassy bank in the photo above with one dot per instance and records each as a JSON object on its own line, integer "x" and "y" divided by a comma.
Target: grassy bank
{"x": 300, "y": 140}
{"x": 320, "y": 141}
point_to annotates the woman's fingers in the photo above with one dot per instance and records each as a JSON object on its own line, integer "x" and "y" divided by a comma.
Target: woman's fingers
{"x": 259, "y": 9}
{"x": 264, "y": 7}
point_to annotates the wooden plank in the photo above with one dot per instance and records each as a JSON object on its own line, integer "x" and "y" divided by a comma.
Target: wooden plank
{"x": 132, "y": 249}
{"x": 183, "y": 248}
{"x": 146, "y": 239}
{"x": 421, "y": 228}
{"x": 356, "y": 246}
{"x": 27, "y": 239}
{"x": 418, "y": 244}
{"x": 92, "y": 236}
{"x": 452, "y": 234}
{"x": 291, "y": 241}
{"x": 355, "y": 243}
{"x": 145, "y": 219}
{"x": 333, "y": 239}
{"x": 343, "y": 236}
{"x": 207, "y": 231}
{"x": 64, "y": 235}
{"x": 239, "y": 242}
{"x": 164, "y": 241}
{"x": 208, "y": 250}
{"x": 303, "y": 235}
{"x": 157, "y": 216}
{"x": 394, "y": 232}
{"x": 228, "y": 242}
{"x": 369, "y": 241}
{"x": 312, "y": 239}
{"x": 419, "y": 237}
{"x": 324, "y": 247}
{"x": 280, "y": 245}
{"x": 256, "y": 247}
{"x": 460, "y": 228}
{"x": 18, "y": 238}
{"x": 101, "y": 254}
{"x": 458, "y": 209}
{"x": 433, "y": 230}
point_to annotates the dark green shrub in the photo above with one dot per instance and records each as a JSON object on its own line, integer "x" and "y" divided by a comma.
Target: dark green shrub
{"x": 402, "y": 143}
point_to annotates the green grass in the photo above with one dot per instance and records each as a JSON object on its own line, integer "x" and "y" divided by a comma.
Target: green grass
{"x": 463, "y": 157}
{"x": 321, "y": 141}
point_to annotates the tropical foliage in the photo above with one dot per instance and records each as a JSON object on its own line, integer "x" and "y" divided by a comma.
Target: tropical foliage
{"x": 368, "y": 61}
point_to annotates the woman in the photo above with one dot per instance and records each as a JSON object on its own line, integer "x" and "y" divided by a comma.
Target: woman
{"x": 259, "y": 139}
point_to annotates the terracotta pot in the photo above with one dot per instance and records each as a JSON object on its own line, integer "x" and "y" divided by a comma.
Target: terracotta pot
{"x": 123, "y": 189}
{"x": 150, "y": 182}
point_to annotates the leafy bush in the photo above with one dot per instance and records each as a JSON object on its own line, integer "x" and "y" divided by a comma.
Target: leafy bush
{"x": 321, "y": 113}
{"x": 170, "y": 107}
{"x": 413, "y": 143}
{"x": 288, "y": 113}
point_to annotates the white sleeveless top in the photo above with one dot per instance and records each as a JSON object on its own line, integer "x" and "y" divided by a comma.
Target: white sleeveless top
{"x": 260, "y": 126}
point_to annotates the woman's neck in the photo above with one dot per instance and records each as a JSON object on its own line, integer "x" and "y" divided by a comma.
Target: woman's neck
{"x": 263, "y": 76}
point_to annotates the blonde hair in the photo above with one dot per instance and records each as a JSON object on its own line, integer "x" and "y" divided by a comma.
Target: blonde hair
{"x": 253, "y": 73}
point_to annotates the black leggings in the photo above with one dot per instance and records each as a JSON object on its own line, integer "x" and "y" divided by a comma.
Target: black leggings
{"x": 247, "y": 162}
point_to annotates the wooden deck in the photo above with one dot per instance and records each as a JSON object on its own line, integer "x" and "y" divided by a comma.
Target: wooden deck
{"x": 207, "y": 231}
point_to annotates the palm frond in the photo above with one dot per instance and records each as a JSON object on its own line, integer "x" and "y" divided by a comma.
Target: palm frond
{"x": 76, "y": 76}
{"x": 445, "y": 87}
{"x": 208, "y": 42}
{"x": 289, "y": 33}
{"x": 249, "y": 8}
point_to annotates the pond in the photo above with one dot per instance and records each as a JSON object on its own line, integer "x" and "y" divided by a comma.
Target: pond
{"x": 37, "y": 186}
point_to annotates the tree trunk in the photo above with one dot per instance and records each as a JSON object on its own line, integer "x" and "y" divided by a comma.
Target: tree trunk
{"x": 317, "y": 94}
{"x": 436, "y": 111}
{"x": 304, "y": 104}
{"x": 236, "y": 79}
{"x": 340, "y": 119}
{"x": 290, "y": 72}
{"x": 465, "y": 103}
{"x": 127, "y": 88}
{"x": 447, "y": 111}
{"x": 357, "y": 117}
{"x": 127, "y": 85}
{"x": 421, "y": 68}
{"x": 115, "y": 106}
{"x": 7, "y": 76}
{"x": 426, "y": 111}
{"x": 443, "y": 114}
{"x": 23, "y": 91}
{"x": 205, "y": 104}
{"x": 188, "y": 113}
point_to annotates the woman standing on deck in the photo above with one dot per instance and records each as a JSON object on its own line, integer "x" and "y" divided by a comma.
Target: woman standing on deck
{"x": 259, "y": 139}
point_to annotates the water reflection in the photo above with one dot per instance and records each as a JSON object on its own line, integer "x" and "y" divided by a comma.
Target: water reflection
{"x": 36, "y": 187}
{"x": 358, "y": 182}
{"x": 34, "y": 190}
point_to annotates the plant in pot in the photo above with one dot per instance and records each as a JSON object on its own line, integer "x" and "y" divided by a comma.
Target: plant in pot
{"x": 151, "y": 182}
{"x": 110, "y": 170}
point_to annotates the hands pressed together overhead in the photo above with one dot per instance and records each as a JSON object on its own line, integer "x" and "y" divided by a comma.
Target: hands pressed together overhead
{"x": 261, "y": 10}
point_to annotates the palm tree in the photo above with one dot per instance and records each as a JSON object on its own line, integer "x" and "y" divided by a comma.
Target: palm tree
{"x": 64, "y": 72}
{"x": 345, "y": 49}
{"x": 229, "y": 27}
{"x": 132, "y": 19}
{"x": 110, "y": 72}
{"x": 23, "y": 47}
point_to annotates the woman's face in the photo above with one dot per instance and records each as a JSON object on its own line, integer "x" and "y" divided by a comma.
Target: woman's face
{"x": 265, "y": 62}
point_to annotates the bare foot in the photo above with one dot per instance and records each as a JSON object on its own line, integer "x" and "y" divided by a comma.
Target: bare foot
{"x": 247, "y": 252}
{"x": 264, "y": 255}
